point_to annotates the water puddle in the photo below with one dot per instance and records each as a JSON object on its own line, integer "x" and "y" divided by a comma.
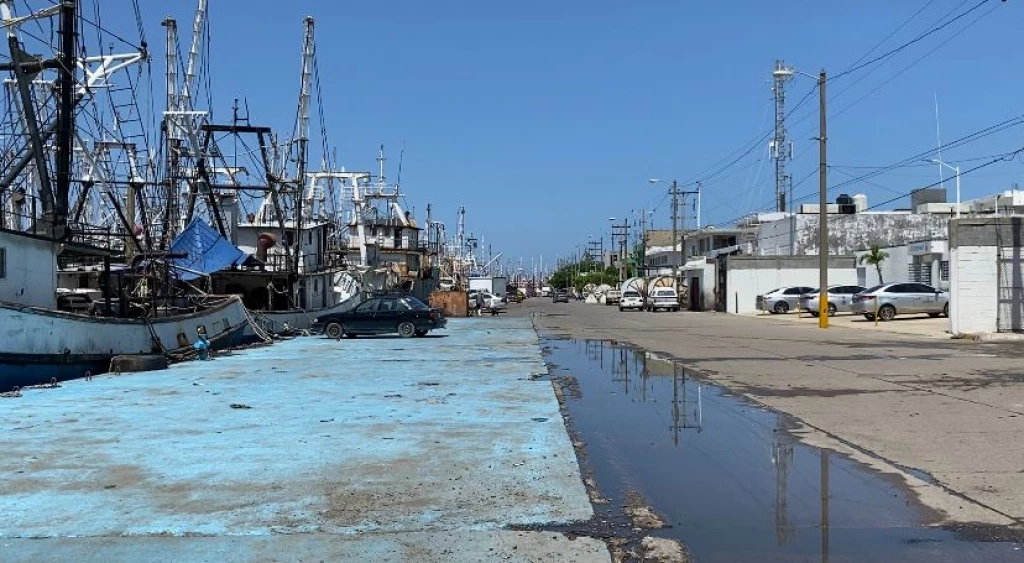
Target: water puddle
{"x": 729, "y": 478}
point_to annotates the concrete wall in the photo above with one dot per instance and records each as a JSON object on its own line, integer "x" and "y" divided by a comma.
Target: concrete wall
{"x": 973, "y": 294}
{"x": 849, "y": 233}
{"x": 974, "y": 270}
{"x": 29, "y": 270}
{"x": 750, "y": 276}
{"x": 708, "y": 280}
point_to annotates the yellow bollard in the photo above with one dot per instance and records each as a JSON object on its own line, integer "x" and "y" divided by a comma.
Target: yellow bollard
{"x": 876, "y": 310}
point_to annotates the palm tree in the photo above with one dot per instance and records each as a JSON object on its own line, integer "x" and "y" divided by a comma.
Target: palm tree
{"x": 875, "y": 256}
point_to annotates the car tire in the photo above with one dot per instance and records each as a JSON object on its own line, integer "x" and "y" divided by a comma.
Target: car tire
{"x": 621, "y": 309}
{"x": 831, "y": 310}
{"x": 945, "y": 310}
{"x": 886, "y": 313}
{"x": 334, "y": 330}
{"x": 781, "y": 308}
{"x": 421, "y": 333}
{"x": 406, "y": 329}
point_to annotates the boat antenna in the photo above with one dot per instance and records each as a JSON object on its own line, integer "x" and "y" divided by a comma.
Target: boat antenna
{"x": 401, "y": 156}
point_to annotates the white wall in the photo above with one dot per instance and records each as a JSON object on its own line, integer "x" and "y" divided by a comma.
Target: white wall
{"x": 744, "y": 285}
{"x": 974, "y": 287}
{"x": 30, "y": 271}
{"x": 894, "y": 268}
{"x": 708, "y": 281}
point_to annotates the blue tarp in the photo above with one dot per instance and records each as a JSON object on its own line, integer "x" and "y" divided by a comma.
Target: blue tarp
{"x": 208, "y": 252}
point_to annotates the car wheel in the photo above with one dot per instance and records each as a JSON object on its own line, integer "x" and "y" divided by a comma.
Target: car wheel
{"x": 886, "y": 313}
{"x": 945, "y": 310}
{"x": 621, "y": 309}
{"x": 831, "y": 309}
{"x": 406, "y": 329}
{"x": 781, "y": 308}
{"x": 421, "y": 333}
{"x": 334, "y": 330}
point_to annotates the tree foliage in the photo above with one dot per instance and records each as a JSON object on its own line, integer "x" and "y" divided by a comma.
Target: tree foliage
{"x": 875, "y": 257}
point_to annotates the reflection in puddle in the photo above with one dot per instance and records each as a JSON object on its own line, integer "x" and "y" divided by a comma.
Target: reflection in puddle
{"x": 729, "y": 477}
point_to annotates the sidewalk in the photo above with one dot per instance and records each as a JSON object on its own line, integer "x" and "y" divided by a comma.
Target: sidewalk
{"x": 914, "y": 325}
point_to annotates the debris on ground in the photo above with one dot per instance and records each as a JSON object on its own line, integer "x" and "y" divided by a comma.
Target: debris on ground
{"x": 661, "y": 550}
{"x": 240, "y": 406}
{"x": 640, "y": 514}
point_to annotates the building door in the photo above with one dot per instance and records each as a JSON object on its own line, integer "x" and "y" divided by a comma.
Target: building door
{"x": 696, "y": 294}
{"x": 1010, "y": 310}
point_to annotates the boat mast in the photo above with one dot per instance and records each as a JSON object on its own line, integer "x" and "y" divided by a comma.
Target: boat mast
{"x": 65, "y": 116}
{"x": 302, "y": 134}
{"x": 172, "y": 213}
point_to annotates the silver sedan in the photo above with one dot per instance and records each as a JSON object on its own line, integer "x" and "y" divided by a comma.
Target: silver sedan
{"x": 840, "y": 299}
{"x": 901, "y": 299}
{"x": 781, "y": 301}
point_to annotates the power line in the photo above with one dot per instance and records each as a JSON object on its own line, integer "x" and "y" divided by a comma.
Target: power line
{"x": 917, "y": 39}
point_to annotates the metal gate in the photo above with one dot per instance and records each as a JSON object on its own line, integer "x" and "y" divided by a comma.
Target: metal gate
{"x": 1010, "y": 311}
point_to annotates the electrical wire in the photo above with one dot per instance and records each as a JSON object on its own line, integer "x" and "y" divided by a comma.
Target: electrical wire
{"x": 917, "y": 39}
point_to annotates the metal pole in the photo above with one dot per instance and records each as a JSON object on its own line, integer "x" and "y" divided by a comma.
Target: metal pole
{"x": 698, "y": 204}
{"x": 822, "y": 209}
{"x": 957, "y": 191}
{"x": 675, "y": 236}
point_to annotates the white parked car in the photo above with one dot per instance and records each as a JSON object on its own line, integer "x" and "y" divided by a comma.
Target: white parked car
{"x": 631, "y": 300}
{"x": 663, "y": 298}
{"x": 782, "y": 300}
{"x": 493, "y": 304}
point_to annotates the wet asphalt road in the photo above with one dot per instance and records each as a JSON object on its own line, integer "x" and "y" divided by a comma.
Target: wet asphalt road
{"x": 736, "y": 481}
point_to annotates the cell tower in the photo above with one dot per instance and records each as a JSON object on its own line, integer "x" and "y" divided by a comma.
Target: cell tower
{"x": 780, "y": 149}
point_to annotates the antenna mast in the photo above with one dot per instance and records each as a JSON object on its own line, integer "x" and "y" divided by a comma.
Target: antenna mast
{"x": 780, "y": 149}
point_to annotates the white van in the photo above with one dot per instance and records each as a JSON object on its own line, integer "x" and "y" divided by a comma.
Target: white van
{"x": 663, "y": 298}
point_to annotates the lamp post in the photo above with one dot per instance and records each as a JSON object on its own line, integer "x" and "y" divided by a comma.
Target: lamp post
{"x": 956, "y": 170}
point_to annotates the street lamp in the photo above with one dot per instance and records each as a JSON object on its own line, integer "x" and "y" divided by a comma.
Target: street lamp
{"x": 955, "y": 169}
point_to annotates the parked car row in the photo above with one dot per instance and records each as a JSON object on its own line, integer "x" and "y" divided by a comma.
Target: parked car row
{"x": 661, "y": 299}
{"x": 889, "y": 300}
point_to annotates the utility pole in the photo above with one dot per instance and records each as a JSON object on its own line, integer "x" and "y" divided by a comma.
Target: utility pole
{"x": 822, "y": 207}
{"x": 622, "y": 233}
{"x": 641, "y": 268}
{"x": 675, "y": 236}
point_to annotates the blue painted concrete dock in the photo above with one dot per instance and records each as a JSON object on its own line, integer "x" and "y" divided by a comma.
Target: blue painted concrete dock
{"x": 423, "y": 449}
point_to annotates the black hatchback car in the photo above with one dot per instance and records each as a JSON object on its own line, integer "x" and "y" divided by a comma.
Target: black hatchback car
{"x": 405, "y": 315}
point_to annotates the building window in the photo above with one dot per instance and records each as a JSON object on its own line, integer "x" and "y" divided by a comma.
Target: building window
{"x": 3, "y": 263}
{"x": 944, "y": 270}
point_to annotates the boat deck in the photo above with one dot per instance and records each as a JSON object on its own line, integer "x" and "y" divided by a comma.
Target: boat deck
{"x": 424, "y": 449}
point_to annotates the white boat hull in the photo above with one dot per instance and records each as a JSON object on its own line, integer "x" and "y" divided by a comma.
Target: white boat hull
{"x": 39, "y": 344}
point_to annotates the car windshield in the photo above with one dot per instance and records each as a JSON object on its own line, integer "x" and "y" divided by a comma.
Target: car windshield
{"x": 631, "y": 294}
{"x": 415, "y": 304}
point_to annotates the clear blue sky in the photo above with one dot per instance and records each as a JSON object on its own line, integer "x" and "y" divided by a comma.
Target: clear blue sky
{"x": 546, "y": 118}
